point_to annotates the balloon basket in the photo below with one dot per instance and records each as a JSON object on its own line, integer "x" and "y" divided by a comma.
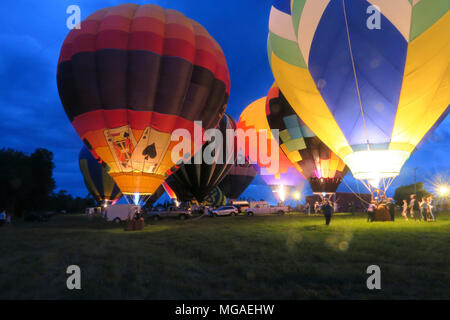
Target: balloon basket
{"x": 382, "y": 214}
{"x": 134, "y": 225}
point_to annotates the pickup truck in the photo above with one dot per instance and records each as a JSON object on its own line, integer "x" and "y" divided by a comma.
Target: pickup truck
{"x": 266, "y": 209}
{"x": 171, "y": 212}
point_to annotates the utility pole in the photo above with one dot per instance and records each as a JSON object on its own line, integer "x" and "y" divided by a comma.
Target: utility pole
{"x": 415, "y": 188}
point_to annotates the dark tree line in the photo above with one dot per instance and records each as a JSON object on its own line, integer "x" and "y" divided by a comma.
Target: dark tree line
{"x": 404, "y": 192}
{"x": 27, "y": 184}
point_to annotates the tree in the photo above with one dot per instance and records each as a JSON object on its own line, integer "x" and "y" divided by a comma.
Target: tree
{"x": 42, "y": 182}
{"x": 26, "y": 180}
{"x": 64, "y": 201}
{"x": 404, "y": 192}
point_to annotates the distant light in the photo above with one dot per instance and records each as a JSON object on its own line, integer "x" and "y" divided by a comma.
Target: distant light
{"x": 323, "y": 194}
{"x": 443, "y": 191}
{"x": 297, "y": 195}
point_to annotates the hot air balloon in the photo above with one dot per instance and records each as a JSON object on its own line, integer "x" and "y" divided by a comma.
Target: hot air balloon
{"x": 371, "y": 77}
{"x": 319, "y": 165}
{"x": 198, "y": 180}
{"x": 155, "y": 196}
{"x": 163, "y": 188}
{"x": 216, "y": 198}
{"x": 97, "y": 180}
{"x": 129, "y": 77}
{"x": 284, "y": 177}
{"x": 237, "y": 180}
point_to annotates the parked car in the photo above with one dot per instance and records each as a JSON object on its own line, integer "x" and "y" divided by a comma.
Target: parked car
{"x": 225, "y": 211}
{"x": 171, "y": 212}
{"x": 262, "y": 207}
{"x": 240, "y": 205}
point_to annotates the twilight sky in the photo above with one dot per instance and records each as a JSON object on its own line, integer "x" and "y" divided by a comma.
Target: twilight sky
{"x": 32, "y": 32}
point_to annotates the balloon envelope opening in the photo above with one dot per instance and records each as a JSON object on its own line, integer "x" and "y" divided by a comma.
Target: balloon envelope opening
{"x": 138, "y": 199}
{"x": 374, "y": 165}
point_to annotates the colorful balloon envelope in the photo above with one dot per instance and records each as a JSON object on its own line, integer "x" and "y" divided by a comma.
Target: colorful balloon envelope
{"x": 96, "y": 178}
{"x": 198, "y": 180}
{"x": 281, "y": 178}
{"x": 216, "y": 198}
{"x": 155, "y": 196}
{"x": 237, "y": 180}
{"x": 319, "y": 165}
{"x": 129, "y": 77}
{"x": 371, "y": 83}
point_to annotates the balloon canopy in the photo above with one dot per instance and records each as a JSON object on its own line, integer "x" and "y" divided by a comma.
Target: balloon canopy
{"x": 216, "y": 198}
{"x": 237, "y": 180}
{"x": 129, "y": 77}
{"x": 155, "y": 196}
{"x": 198, "y": 180}
{"x": 319, "y": 165}
{"x": 281, "y": 178}
{"x": 96, "y": 178}
{"x": 370, "y": 83}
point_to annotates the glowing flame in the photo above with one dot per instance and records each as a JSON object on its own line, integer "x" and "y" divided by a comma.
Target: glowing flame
{"x": 375, "y": 182}
{"x": 281, "y": 193}
{"x": 136, "y": 198}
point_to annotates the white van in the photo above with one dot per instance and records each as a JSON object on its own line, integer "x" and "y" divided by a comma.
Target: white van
{"x": 120, "y": 212}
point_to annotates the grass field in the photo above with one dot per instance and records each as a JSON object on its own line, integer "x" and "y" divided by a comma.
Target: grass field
{"x": 276, "y": 257}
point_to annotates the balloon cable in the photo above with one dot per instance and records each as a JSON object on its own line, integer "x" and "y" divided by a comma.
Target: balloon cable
{"x": 355, "y": 192}
{"x": 354, "y": 74}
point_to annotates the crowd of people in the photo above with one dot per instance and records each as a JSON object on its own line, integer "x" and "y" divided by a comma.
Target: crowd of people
{"x": 419, "y": 210}
{"x": 422, "y": 210}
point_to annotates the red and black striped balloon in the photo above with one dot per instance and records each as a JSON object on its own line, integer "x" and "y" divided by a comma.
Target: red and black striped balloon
{"x": 146, "y": 71}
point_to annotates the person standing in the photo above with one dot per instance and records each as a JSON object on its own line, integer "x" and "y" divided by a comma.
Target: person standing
{"x": 405, "y": 210}
{"x": 413, "y": 207}
{"x": 391, "y": 207}
{"x": 327, "y": 212}
{"x": 335, "y": 207}
{"x": 307, "y": 209}
{"x": 352, "y": 208}
{"x": 2, "y": 218}
{"x": 371, "y": 212}
{"x": 423, "y": 209}
{"x": 430, "y": 202}
{"x": 316, "y": 207}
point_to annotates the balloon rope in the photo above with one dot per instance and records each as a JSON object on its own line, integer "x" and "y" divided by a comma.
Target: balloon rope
{"x": 355, "y": 193}
{"x": 354, "y": 74}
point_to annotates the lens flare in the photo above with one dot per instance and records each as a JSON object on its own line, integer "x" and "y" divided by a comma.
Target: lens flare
{"x": 443, "y": 191}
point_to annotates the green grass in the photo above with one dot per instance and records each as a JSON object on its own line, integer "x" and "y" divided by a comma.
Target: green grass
{"x": 276, "y": 257}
